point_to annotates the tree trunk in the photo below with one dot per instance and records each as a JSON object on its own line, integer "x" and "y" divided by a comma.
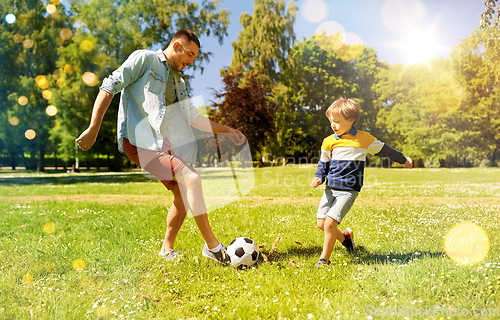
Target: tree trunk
{"x": 41, "y": 157}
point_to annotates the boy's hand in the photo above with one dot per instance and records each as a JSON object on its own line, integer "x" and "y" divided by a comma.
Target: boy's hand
{"x": 408, "y": 163}
{"x": 315, "y": 182}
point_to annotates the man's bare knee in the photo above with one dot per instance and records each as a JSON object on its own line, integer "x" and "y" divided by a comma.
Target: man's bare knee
{"x": 189, "y": 177}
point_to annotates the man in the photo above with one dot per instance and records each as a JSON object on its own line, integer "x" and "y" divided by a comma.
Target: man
{"x": 154, "y": 109}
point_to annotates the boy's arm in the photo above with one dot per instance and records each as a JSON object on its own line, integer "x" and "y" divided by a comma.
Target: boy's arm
{"x": 386, "y": 151}
{"x": 323, "y": 168}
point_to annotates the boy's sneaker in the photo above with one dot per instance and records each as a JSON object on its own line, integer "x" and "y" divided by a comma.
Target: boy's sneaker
{"x": 170, "y": 255}
{"x": 322, "y": 262}
{"x": 349, "y": 239}
{"x": 220, "y": 256}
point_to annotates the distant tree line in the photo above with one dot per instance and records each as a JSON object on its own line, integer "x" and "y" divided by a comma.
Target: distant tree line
{"x": 276, "y": 89}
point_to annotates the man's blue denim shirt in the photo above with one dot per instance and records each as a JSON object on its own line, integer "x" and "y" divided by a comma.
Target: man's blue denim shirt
{"x": 142, "y": 79}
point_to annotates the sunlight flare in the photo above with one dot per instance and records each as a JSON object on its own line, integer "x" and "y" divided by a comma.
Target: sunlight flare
{"x": 466, "y": 243}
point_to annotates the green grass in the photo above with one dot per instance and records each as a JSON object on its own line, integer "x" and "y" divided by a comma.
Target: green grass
{"x": 115, "y": 223}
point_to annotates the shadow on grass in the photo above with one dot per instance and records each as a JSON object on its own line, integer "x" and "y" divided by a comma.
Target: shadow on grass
{"x": 15, "y": 178}
{"x": 365, "y": 256}
{"x": 360, "y": 256}
{"x": 73, "y": 178}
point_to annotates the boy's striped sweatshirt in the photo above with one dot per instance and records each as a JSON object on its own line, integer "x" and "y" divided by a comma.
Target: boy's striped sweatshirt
{"x": 342, "y": 160}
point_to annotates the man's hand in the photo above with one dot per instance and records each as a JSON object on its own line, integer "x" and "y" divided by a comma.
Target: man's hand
{"x": 87, "y": 139}
{"x": 315, "y": 182}
{"x": 408, "y": 163}
{"x": 237, "y": 137}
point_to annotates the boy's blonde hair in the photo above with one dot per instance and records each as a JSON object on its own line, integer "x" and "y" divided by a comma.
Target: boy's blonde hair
{"x": 347, "y": 108}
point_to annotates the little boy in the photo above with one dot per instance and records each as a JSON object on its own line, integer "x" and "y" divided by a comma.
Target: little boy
{"x": 342, "y": 164}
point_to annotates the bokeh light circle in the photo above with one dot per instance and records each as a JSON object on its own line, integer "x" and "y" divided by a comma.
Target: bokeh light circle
{"x": 65, "y": 34}
{"x": 61, "y": 83}
{"x": 51, "y": 8}
{"x": 330, "y": 36}
{"x": 51, "y": 110}
{"x": 86, "y": 46}
{"x": 58, "y": 74}
{"x": 314, "y": 11}
{"x": 47, "y": 94}
{"x": 22, "y": 100}
{"x": 14, "y": 121}
{"x": 466, "y": 243}
{"x": 30, "y": 134}
{"x": 69, "y": 68}
{"x": 49, "y": 227}
{"x": 10, "y": 18}
{"x": 90, "y": 79}
{"x": 28, "y": 43}
{"x": 43, "y": 83}
{"x": 352, "y": 49}
{"x": 18, "y": 38}
{"x": 401, "y": 16}
{"x": 79, "y": 265}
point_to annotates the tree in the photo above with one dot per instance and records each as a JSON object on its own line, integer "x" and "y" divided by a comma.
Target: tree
{"x": 490, "y": 16}
{"x": 315, "y": 77}
{"x": 247, "y": 102}
{"x": 266, "y": 38}
{"x": 264, "y": 44}
{"x": 30, "y": 47}
{"x": 476, "y": 63}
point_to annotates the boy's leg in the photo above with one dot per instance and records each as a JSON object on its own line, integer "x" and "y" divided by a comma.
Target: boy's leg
{"x": 321, "y": 223}
{"x": 332, "y": 234}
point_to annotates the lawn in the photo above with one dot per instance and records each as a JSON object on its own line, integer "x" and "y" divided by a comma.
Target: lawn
{"x": 84, "y": 246}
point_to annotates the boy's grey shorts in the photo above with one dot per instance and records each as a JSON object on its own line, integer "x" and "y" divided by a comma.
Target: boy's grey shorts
{"x": 335, "y": 203}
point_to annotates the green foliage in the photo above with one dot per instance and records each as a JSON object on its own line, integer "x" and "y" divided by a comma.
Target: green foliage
{"x": 30, "y": 47}
{"x": 266, "y": 38}
{"x": 315, "y": 77}
{"x": 85, "y": 36}
{"x": 491, "y": 15}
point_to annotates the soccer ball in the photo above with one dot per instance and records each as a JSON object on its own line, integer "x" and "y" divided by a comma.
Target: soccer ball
{"x": 243, "y": 252}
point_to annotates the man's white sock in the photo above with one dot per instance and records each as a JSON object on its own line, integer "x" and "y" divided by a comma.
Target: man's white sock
{"x": 216, "y": 249}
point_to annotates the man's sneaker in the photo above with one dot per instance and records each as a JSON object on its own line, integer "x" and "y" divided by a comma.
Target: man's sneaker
{"x": 220, "y": 256}
{"x": 322, "y": 262}
{"x": 349, "y": 239}
{"x": 170, "y": 255}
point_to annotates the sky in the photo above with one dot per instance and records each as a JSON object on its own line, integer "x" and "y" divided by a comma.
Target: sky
{"x": 401, "y": 31}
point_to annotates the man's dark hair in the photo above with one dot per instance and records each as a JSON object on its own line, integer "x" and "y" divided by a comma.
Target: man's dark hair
{"x": 188, "y": 35}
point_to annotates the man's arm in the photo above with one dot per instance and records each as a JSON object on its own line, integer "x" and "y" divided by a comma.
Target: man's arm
{"x": 204, "y": 124}
{"x": 87, "y": 139}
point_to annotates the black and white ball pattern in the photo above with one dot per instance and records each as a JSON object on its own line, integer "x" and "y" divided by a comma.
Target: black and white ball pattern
{"x": 243, "y": 252}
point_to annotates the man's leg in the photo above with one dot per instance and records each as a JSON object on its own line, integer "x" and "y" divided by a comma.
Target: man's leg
{"x": 175, "y": 219}
{"x": 191, "y": 193}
